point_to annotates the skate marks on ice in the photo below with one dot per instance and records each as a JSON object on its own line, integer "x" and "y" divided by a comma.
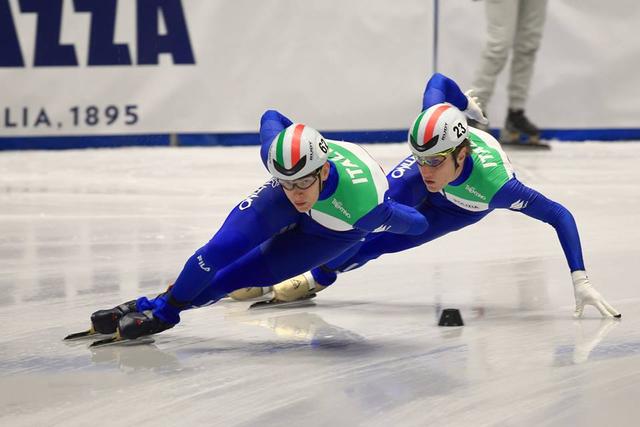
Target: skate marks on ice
{"x": 368, "y": 353}
{"x": 383, "y": 363}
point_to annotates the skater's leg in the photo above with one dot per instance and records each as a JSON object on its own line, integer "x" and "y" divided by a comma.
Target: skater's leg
{"x": 266, "y": 212}
{"x": 311, "y": 282}
{"x": 262, "y": 215}
{"x": 284, "y": 255}
{"x": 281, "y": 257}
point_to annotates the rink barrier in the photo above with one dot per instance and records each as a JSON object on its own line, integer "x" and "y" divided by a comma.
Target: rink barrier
{"x": 70, "y": 142}
{"x": 239, "y": 139}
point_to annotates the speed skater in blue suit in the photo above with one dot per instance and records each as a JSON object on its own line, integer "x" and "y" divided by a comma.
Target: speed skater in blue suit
{"x": 325, "y": 197}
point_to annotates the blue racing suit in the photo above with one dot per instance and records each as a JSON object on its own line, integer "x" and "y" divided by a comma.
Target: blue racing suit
{"x": 487, "y": 182}
{"x": 265, "y": 240}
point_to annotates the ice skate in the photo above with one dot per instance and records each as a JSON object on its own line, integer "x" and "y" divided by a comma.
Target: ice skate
{"x": 252, "y": 294}
{"x": 134, "y": 326}
{"x": 303, "y": 301}
{"x": 292, "y": 292}
{"x": 105, "y": 321}
{"x": 139, "y": 324}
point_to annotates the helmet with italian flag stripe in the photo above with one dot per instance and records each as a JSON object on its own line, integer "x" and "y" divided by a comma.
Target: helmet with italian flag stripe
{"x": 297, "y": 151}
{"x": 439, "y": 128}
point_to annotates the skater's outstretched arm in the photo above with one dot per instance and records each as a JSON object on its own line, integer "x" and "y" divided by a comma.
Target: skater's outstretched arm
{"x": 518, "y": 197}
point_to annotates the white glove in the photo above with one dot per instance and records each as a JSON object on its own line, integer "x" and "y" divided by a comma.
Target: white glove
{"x": 474, "y": 110}
{"x": 587, "y": 295}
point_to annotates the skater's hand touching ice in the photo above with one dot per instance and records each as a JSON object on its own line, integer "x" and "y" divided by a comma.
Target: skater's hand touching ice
{"x": 586, "y": 294}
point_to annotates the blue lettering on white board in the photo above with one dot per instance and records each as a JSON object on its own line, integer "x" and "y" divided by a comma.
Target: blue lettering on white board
{"x": 50, "y": 52}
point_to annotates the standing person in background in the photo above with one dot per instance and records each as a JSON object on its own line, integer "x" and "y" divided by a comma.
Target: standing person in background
{"x": 513, "y": 26}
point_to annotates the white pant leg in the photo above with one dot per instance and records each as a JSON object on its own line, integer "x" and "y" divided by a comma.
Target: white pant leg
{"x": 501, "y": 27}
{"x": 528, "y": 35}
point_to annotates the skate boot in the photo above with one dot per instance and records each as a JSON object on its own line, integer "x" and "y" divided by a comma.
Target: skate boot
{"x": 253, "y": 293}
{"x": 139, "y": 324}
{"x": 295, "y": 290}
{"x": 106, "y": 321}
{"x": 519, "y": 130}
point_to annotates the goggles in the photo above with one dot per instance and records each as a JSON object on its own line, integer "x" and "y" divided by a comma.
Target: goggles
{"x": 301, "y": 183}
{"x": 434, "y": 160}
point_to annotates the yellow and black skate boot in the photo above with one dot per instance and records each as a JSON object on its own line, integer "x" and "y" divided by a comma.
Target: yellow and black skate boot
{"x": 297, "y": 288}
{"x": 253, "y": 293}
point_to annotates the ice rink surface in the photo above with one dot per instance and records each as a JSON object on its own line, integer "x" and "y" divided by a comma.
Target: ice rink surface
{"x": 89, "y": 229}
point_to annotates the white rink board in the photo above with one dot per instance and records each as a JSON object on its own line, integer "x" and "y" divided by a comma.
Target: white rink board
{"x": 356, "y": 65}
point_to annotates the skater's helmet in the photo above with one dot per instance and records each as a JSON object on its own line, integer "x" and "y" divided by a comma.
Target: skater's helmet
{"x": 296, "y": 152}
{"x": 437, "y": 129}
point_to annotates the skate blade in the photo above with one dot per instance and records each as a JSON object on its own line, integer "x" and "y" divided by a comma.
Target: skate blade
{"x": 517, "y": 140}
{"x": 79, "y": 335}
{"x": 283, "y": 304}
{"x": 116, "y": 339}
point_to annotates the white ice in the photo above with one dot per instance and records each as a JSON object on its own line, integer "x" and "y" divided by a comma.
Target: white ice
{"x": 87, "y": 229}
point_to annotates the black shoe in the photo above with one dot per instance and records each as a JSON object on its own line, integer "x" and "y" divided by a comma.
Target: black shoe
{"x": 517, "y": 128}
{"x": 136, "y": 325}
{"x": 106, "y": 321}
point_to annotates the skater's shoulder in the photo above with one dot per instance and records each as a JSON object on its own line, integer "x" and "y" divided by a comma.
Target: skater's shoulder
{"x": 491, "y": 166}
{"x": 483, "y": 138}
{"x": 356, "y": 165}
{"x": 487, "y": 151}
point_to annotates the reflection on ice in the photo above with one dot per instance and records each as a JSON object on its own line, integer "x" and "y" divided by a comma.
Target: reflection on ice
{"x": 76, "y": 237}
{"x": 132, "y": 358}
{"x": 309, "y": 328}
{"x": 589, "y": 345}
